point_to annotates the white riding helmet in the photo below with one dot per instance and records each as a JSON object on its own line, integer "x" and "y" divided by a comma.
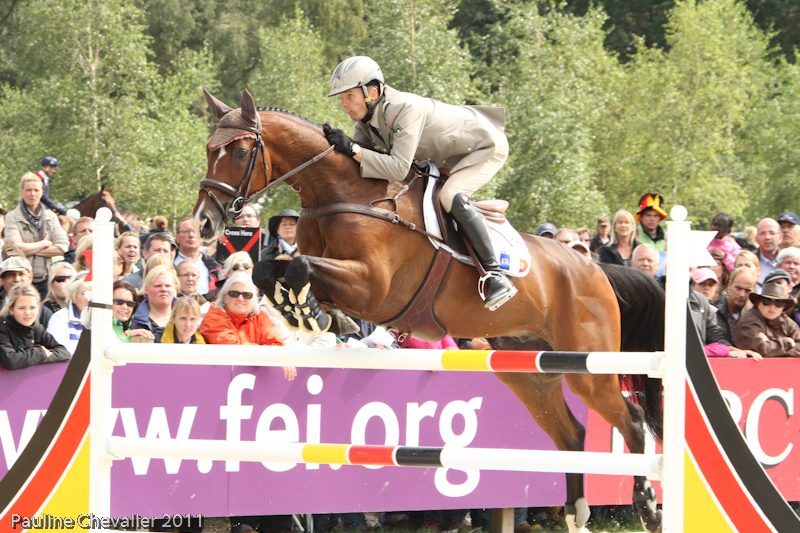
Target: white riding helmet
{"x": 355, "y": 72}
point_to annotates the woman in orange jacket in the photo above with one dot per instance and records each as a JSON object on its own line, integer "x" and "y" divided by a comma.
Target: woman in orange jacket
{"x": 235, "y": 318}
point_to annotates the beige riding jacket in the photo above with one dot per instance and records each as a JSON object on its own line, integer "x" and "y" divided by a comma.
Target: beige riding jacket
{"x": 19, "y": 230}
{"x": 411, "y": 128}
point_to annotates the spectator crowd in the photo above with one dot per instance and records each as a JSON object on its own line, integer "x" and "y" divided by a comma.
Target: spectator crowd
{"x": 172, "y": 289}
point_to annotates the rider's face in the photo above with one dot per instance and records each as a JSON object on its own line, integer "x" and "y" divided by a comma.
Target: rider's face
{"x": 354, "y": 104}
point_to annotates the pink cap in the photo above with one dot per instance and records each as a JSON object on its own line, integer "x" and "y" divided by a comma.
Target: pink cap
{"x": 702, "y": 274}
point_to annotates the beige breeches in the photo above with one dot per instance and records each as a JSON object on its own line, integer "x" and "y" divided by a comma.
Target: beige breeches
{"x": 470, "y": 179}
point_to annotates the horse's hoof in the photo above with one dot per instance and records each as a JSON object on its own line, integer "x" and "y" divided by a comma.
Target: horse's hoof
{"x": 645, "y": 505}
{"x": 570, "y": 519}
{"x": 341, "y": 324}
{"x": 652, "y": 522}
{"x": 577, "y": 515}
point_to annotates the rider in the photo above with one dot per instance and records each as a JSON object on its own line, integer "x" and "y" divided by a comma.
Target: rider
{"x": 49, "y": 167}
{"x": 468, "y": 139}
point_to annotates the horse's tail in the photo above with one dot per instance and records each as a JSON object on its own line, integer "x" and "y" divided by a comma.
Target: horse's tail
{"x": 642, "y": 313}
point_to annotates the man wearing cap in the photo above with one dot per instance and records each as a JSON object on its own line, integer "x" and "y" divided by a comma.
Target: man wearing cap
{"x": 651, "y": 213}
{"x": 405, "y": 127}
{"x": 731, "y": 305}
{"x": 581, "y": 248}
{"x": 768, "y": 238}
{"x": 790, "y": 228}
{"x": 602, "y": 238}
{"x": 283, "y": 235}
{"x": 189, "y": 248}
{"x": 780, "y": 277}
{"x": 49, "y": 167}
{"x": 16, "y": 270}
{"x": 547, "y": 230}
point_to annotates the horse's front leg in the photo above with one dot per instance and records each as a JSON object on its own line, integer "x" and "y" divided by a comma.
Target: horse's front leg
{"x": 340, "y": 280}
{"x": 266, "y": 276}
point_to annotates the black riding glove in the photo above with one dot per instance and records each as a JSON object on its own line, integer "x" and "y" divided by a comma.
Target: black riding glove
{"x": 60, "y": 211}
{"x": 339, "y": 139}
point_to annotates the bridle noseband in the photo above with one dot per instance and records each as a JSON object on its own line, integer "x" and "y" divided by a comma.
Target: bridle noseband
{"x": 240, "y": 194}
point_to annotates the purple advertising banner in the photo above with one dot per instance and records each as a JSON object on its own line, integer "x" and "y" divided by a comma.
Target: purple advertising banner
{"x": 321, "y": 405}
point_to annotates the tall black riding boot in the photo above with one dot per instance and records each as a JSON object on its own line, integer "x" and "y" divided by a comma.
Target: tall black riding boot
{"x": 497, "y": 288}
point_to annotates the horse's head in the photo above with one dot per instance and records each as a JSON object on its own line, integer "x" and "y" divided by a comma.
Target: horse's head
{"x": 238, "y": 165}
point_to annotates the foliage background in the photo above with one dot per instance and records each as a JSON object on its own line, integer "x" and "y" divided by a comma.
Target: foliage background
{"x": 605, "y": 100}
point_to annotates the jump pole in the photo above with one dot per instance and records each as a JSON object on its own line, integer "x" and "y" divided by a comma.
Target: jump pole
{"x": 456, "y": 457}
{"x": 677, "y": 293}
{"x": 100, "y": 367}
{"x": 649, "y": 363}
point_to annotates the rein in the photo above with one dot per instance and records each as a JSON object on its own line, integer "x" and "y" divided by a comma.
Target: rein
{"x": 370, "y": 210}
{"x": 240, "y": 194}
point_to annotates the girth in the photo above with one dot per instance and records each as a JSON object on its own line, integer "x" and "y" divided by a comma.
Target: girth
{"x": 419, "y": 318}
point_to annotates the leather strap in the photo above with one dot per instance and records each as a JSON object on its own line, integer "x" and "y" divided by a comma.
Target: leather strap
{"x": 418, "y": 316}
{"x": 362, "y": 209}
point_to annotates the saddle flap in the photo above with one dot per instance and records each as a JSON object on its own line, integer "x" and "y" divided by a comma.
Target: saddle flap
{"x": 447, "y": 225}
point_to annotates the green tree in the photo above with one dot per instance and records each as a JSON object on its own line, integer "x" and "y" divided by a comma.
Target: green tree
{"x": 295, "y": 77}
{"x": 417, "y": 52}
{"x": 95, "y": 101}
{"x": 556, "y": 94}
{"x": 678, "y": 113}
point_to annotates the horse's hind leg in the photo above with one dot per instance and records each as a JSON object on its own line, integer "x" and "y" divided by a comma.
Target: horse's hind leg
{"x": 542, "y": 395}
{"x": 602, "y": 393}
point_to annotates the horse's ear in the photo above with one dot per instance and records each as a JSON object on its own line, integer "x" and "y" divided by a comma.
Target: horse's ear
{"x": 217, "y": 106}
{"x": 249, "y": 113}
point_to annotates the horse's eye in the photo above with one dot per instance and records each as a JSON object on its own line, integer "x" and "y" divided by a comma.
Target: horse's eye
{"x": 241, "y": 154}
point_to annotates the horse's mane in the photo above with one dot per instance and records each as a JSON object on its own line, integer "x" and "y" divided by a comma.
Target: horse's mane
{"x": 290, "y": 113}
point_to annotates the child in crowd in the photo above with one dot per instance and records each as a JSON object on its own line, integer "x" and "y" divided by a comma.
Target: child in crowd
{"x": 23, "y": 341}
{"x": 182, "y": 329}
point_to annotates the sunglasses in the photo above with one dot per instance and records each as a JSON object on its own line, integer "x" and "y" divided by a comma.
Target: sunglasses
{"x": 236, "y": 294}
{"x": 241, "y": 266}
{"x": 120, "y": 301}
{"x": 769, "y": 301}
{"x": 61, "y": 279}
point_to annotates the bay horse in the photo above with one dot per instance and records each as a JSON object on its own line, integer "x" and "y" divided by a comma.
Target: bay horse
{"x": 371, "y": 269}
{"x": 103, "y": 198}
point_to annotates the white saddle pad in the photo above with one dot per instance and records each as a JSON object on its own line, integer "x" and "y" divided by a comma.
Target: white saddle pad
{"x": 509, "y": 248}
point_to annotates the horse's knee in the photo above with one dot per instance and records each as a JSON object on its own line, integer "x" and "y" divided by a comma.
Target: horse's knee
{"x": 298, "y": 273}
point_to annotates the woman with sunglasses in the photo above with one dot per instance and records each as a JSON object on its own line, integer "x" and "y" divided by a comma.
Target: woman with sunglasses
{"x": 122, "y": 307}
{"x": 235, "y": 318}
{"x": 60, "y": 274}
{"x": 236, "y": 262}
{"x": 766, "y": 329}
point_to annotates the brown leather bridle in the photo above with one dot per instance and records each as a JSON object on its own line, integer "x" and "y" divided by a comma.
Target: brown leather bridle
{"x": 241, "y": 194}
